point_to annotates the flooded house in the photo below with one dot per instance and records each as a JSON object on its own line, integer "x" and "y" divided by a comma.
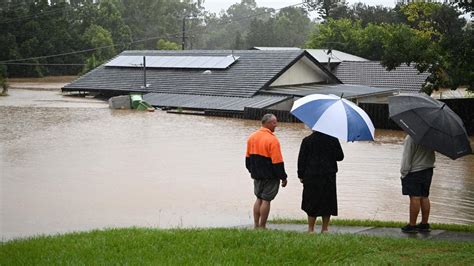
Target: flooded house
{"x": 352, "y": 69}
{"x": 220, "y": 81}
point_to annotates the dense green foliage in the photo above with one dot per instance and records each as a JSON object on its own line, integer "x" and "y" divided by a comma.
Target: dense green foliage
{"x": 167, "y": 45}
{"x": 228, "y": 246}
{"x": 431, "y": 36}
{"x": 85, "y": 33}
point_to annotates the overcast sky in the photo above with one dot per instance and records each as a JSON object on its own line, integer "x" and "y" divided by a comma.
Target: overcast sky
{"x": 216, "y": 6}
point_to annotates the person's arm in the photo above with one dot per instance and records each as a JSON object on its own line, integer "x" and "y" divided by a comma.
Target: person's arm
{"x": 407, "y": 156}
{"x": 247, "y": 157}
{"x": 277, "y": 160}
{"x": 339, "y": 154}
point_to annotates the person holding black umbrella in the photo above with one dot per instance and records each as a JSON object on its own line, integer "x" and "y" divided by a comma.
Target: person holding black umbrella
{"x": 416, "y": 174}
{"x": 431, "y": 126}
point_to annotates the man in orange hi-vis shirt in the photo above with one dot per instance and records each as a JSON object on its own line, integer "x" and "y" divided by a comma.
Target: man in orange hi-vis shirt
{"x": 265, "y": 164}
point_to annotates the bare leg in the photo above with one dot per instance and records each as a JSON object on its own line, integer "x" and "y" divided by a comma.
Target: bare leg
{"x": 311, "y": 222}
{"x": 425, "y": 209}
{"x": 264, "y": 212}
{"x": 324, "y": 228}
{"x": 414, "y": 209}
{"x": 256, "y": 212}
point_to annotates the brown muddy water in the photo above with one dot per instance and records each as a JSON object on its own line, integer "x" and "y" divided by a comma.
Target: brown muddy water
{"x": 71, "y": 164}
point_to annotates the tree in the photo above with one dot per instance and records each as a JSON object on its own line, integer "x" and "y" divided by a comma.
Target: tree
{"x": 98, "y": 37}
{"x": 466, "y": 6}
{"x": 457, "y": 64}
{"x": 292, "y": 27}
{"x": 374, "y": 14}
{"x": 261, "y": 33}
{"x": 342, "y": 34}
{"x": 371, "y": 42}
{"x": 110, "y": 18}
{"x": 239, "y": 42}
{"x": 167, "y": 45}
{"x": 223, "y": 31}
{"x": 406, "y": 45}
{"x": 153, "y": 20}
{"x": 328, "y": 8}
{"x": 433, "y": 18}
{"x": 436, "y": 32}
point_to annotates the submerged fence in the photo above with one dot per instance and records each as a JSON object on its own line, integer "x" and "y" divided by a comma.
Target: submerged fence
{"x": 378, "y": 113}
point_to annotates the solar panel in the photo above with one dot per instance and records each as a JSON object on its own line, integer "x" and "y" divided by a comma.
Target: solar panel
{"x": 191, "y": 62}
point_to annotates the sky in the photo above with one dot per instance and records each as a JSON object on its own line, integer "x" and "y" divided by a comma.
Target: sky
{"x": 216, "y": 6}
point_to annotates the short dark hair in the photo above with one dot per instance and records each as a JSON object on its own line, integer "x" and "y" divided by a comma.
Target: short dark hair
{"x": 267, "y": 117}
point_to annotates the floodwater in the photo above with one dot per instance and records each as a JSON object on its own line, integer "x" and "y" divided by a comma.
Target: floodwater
{"x": 71, "y": 164}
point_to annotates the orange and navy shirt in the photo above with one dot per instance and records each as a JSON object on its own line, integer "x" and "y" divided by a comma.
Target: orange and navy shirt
{"x": 263, "y": 158}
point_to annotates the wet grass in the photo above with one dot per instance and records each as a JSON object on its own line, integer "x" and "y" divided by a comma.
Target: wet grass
{"x": 227, "y": 246}
{"x": 377, "y": 223}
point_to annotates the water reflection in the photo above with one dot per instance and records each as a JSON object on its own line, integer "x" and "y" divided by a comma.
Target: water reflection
{"x": 67, "y": 165}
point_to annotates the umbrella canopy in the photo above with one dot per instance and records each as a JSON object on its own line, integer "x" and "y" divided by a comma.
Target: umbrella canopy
{"x": 334, "y": 116}
{"x": 430, "y": 123}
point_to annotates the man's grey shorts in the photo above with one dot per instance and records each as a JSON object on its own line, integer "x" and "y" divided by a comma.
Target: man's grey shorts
{"x": 266, "y": 189}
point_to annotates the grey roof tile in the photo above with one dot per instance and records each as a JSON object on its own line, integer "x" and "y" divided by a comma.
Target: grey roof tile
{"x": 203, "y": 102}
{"x": 372, "y": 73}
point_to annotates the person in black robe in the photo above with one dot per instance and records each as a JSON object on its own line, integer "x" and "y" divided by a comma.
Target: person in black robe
{"x": 317, "y": 168}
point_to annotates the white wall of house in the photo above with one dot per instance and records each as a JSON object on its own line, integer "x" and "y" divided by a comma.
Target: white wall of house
{"x": 381, "y": 98}
{"x": 302, "y": 72}
{"x": 283, "y": 106}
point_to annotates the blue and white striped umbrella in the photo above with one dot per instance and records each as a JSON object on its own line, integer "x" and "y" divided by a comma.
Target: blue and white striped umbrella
{"x": 334, "y": 116}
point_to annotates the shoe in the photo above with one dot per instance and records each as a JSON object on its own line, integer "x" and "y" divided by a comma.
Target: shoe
{"x": 423, "y": 228}
{"x": 410, "y": 229}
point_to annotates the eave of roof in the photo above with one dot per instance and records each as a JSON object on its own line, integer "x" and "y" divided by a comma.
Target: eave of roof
{"x": 347, "y": 90}
{"x": 205, "y": 102}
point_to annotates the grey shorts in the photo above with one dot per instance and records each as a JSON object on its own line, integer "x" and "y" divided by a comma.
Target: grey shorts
{"x": 266, "y": 189}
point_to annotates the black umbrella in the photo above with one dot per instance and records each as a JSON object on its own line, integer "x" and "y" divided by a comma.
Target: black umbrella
{"x": 430, "y": 123}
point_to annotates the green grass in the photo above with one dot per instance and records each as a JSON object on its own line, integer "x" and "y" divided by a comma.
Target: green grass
{"x": 138, "y": 246}
{"x": 376, "y": 223}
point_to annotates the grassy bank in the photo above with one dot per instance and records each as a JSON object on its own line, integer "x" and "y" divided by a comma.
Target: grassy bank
{"x": 376, "y": 223}
{"x": 228, "y": 246}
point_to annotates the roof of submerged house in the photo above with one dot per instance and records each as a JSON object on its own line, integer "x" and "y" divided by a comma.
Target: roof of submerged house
{"x": 372, "y": 73}
{"x": 239, "y": 73}
{"x": 322, "y": 55}
{"x": 204, "y": 102}
{"x": 347, "y": 91}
